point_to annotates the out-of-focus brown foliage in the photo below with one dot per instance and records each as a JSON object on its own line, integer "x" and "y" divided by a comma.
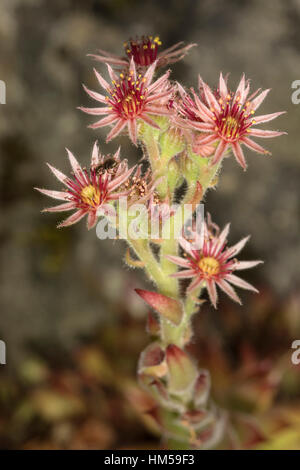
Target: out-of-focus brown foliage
{"x": 90, "y": 400}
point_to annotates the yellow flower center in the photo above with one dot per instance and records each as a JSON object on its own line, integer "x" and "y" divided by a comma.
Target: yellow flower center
{"x": 230, "y": 127}
{"x": 209, "y": 265}
{"x": 90, "y": 195}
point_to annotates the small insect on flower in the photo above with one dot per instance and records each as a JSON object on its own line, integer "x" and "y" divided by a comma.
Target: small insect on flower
{"x": 212, "y": 263}
{"x": 145, "y": 51}
{"x": 225, "y": 118}
{"x": 131, "y": 97}
{"x": 88, "y": 190}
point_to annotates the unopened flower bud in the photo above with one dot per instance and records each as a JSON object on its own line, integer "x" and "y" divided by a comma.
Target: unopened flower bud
{"x": 182, "y": 371}
{"x": 202, "y": 388}
{"x": 189, "y": 168}
{"x": 169, "y": 308}
{"x": 152, "y": 361}
{"x": 171, "y": 142}
{"x": 153, "y": 326}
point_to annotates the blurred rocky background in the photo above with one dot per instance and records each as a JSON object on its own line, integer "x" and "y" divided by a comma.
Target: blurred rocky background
{"x": 57, "y": 286}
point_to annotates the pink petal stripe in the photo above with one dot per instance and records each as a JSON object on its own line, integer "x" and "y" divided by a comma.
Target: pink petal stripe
{"x": 223, "y": 87}
{"x": 59, "y": 175}
{"x": 210, "y": 96}
{"x": 237, "y": 281}
{"x": 132, "y": 129}
{"x": 221, "y": 149}
{"x": 195, "y": 283}
{"x": 76, "y": 167}
{"x": 132, "y": 68}
{"x": 205, "y": 139}
{"x": 186, "y": 246}
{"x": 266, "y": 117}
{"x": 63, "y": 196}
{"x": 149, "y": 74}
{"x": 220, "y": 240}
{"x": 212, "y": 292}
{"x": 202, "y": 126}
{"x": 178, "y": 260}
{"x": 226, "y": 287}
{"x": 112, "y": 74}
{"x": 149, "y": 121}
{"x": 93, "y": 94}
{"x": 104, "y": 122}
{"x": 159, "y": 96}
{"x": 159, "y": 82}
{"x": 235, "y": 249}
{"x": 254, "y": 146}
{"x": 94, "y": 111}
{"x": 116, "y": 130}
{"x": 73, "y": 218}
{"x": 157, "y": 110}
{"x": 239, "y": 265}
{"x": 184, "y": 274}
{"x": 239, "y": 155}
{"x": 259, "y": 99}
{"x": 265, "y": 134}
{"x": 61, "y": 207}
{"x": 95, "y": 154}
{"x": 204, "y": 112}
{"x": 240, "y": 91}
{"x": 112, "y": 185}
{"x": 91, "y": 219}
{"x": 101, "y": 80}
{"x": 112, "y": 60}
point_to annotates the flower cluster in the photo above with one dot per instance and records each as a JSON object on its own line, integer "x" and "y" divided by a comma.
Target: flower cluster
{"x": 87, "y": 190}
{"x": 184, "y": 135}
{"x": 213, "y": 263}
{"x": 131, "y": 97}
{"x": 144, "y": 51}
{"x": 224, "y": 118}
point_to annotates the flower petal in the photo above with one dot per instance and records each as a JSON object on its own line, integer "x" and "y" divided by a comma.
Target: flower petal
{"x": 237, "y": 281}
{"x": 195, "y": 283}
{"x": 265, "y": 134}
{"x": 132, "y": 129}
{"x": 116, "y": 130}
{"x": 259, "y": 99}
{"x": 212, "y": 292}
{"x": 62, "y": 195}
{"x": 223, "y": 87}
{"x": 187, "y": 273}
{"x": 239, "y": 265}
{"x": 93, "y": 94}
{"x": 95, "y": 111}
{"x": 95, "y": 154}
{"x": 221, "y": 149}
{"x": 73, "y": 218}
{"x": 67, "y": 206}
{"x": 226, "y": 287}
{"x": 266, "y": 117}
{"x": 254, "y": 146}
{"x": 59, "y": 175}
{"x": 239, "y": 155}
{"x": 178, "y": 260}
{"x": 104, "y": 122}
{"x": 101, "y": 80}
{"x": 235, "y": 249}
{"x": 91, "y": 219}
